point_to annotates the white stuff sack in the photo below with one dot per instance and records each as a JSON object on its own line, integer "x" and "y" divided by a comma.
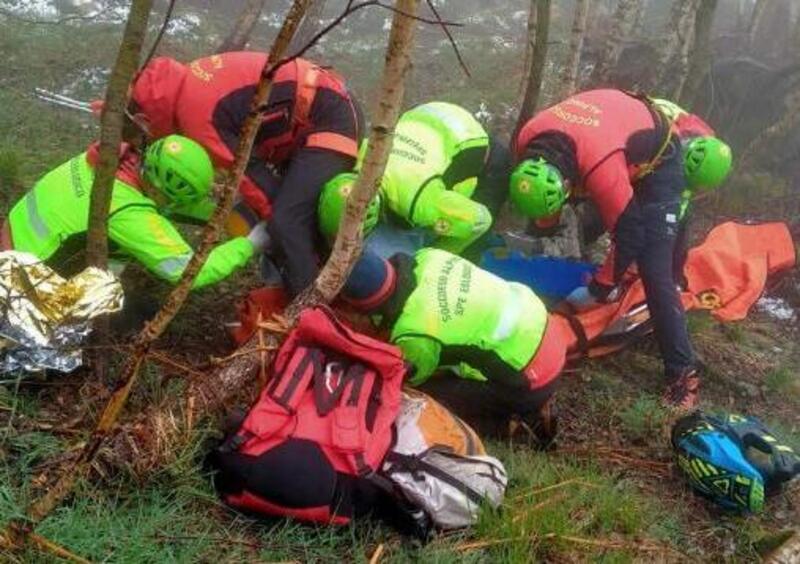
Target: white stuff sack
{"x": 450, "y": 482}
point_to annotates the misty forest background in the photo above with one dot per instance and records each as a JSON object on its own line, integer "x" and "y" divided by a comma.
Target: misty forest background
{"x": 609, "y": 494}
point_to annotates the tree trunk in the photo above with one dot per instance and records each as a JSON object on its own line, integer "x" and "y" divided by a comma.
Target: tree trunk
{"x": 700, "y": 57}
{"x": 621, "y": 27}
{"x": 787, "y": 553}
{"x": 569, "y": 73}
{"x": 158, "y": 431}
{"x": 240, "y": 34}
{"x": 674, "y": 59}
{"x": 40, "y": 508}
{"x": 538, "y": 32}
{"x": 639, "y": 17}
{"x": 755, "y": 21}
{"x": 309, "y": 26}
{"x": 783, "y": 127}
{"x": 111, "y": 124}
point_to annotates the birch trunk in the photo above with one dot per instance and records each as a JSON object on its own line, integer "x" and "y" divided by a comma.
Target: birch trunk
{"x": 239, "y": 36}
{"x": 700, "y": 56}
{"x": 569, "y": 73}
{"x": 639, "y": 16}
{"x": 674, "y": 58}
{"x": 621, "y": 29}
{"x": 755, "y": 21}
{"x": 538, "y": 34}
{"x": 111, "y": 124}
{"x": 309, "y": 26}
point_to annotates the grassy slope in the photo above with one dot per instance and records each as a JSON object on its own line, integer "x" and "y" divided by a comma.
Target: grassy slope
{"x": 602, "y": 488}
{"x": 608, "y": 493}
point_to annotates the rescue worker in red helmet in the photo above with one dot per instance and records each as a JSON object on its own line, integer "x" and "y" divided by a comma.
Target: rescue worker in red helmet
{"x": 308, "y": 134}
{"x": 442, "y": 310}
{"x": 622, "y": 152}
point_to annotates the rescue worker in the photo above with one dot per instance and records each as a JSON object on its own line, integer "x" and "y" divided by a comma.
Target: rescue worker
{"x": 442, "y": 310}
{"x": 51, "y": 220}
{"x": 308, "y": 134}
{"x": 441, "y": 167}
{"x": 624, "y": 153}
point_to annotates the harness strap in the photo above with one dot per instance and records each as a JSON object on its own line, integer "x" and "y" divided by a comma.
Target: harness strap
{"x": 663, "y": 120}
{"x": 307, "y": 80}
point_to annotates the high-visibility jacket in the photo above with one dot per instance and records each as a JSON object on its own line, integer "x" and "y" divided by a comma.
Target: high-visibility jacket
{"x": 456, "y": 304}
{"x": 436, "y": 146}
{"x": 209, "y": 99}
{"x": 52, "y": 219}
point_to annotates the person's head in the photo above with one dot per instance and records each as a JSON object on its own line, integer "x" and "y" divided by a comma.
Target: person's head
{"x": 707, "y": 162}
{"x": 178, "y": 169}
{"x": 371, "y": 283}
{"x": 538, "y": 190}
{"x": 333, "y": 201}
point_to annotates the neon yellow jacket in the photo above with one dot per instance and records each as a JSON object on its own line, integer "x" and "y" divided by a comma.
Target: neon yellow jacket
{"x": 55, "y": 213}
{"x": 428, "y": 143}
{"x": 455, "y": 303}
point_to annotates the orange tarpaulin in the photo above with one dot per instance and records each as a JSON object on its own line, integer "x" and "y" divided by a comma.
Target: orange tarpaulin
{"x": 726, "y": 274}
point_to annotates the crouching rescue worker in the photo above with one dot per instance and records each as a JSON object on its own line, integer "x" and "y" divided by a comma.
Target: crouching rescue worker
{"x": 309, "y": 133}
{"x": 52, "y": 219}
{"x": 443, "y": 175}
{"x": 443, "y": 311}
{"x": 624, "y": 153}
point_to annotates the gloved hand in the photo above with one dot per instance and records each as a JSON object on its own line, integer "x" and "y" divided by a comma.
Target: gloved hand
{"x": 259, "y": 237}
{"x": 582, "y": 299}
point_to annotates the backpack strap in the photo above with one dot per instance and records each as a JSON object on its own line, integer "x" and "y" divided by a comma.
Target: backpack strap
{"x": 288, "y": 388}
{"x": 416, "y": 466}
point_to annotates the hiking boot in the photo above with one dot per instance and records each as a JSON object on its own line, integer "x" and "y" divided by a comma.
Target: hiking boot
{"x": 683, "y": 393}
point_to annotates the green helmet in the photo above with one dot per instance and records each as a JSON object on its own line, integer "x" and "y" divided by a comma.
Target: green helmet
{"x": 332, "y": 203}
{"x": 707, "y": 162}
{"x": 179, "y": 168}
{"x": 537, "y": 188}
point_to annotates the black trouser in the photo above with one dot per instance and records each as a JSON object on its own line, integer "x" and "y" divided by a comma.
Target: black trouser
{"x": 658, "y": 197}
{"x": 490, "y": 406}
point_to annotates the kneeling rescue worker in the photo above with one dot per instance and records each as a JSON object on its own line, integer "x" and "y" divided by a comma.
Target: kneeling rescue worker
{"x": 624, "y": 153}
{"x": 309, "y": 133}
{"x": 442, "y": 310}
{"x": 441, "y": 162}
{"x": 51, "y": 220}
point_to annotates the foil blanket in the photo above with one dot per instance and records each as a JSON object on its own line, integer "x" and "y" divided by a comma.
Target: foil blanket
{"x": 45, "y": 318}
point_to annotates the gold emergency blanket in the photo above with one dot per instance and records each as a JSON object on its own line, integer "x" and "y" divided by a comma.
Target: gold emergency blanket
{"x": 45, "y": 318}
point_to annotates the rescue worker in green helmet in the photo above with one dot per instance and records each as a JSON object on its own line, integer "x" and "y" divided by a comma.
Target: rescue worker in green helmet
{"x": 707, "y": 160}
{"x": 442, "y": 310}
{"x": 443, "y": 175}
{"x": 175, "y": 176}
{"x": 332, "y": 202}
{"x": 627, "y": 155}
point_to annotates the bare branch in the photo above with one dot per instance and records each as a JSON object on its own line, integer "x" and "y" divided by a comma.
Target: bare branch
{"x": 450, "y": 38}
{"x": 167, "y": 18}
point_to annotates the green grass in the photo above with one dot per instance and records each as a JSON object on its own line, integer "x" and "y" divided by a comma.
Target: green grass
{"x": 782, "y": 381}
{"x": 551, "y": 501}
{"x": 643, "y": 419}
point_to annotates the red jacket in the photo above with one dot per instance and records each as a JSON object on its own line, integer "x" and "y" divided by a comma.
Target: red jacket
{"x": 601, "y": 124}
{"x": 209, "y": 99}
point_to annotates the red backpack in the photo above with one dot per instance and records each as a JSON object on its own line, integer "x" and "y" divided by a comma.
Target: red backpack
{"x": 322, "y": 425}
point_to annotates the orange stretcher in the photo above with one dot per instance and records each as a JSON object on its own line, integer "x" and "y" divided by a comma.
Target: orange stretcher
{"x": 726, "y": 274}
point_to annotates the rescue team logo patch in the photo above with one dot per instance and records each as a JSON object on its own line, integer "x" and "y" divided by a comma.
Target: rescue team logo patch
{"x": 709, "y": 299}
{"x": 173, "y": 147}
